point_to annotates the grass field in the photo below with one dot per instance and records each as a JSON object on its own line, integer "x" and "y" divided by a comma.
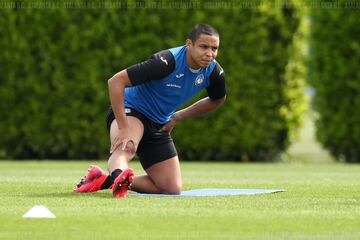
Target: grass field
{"x": 322, "y": 202}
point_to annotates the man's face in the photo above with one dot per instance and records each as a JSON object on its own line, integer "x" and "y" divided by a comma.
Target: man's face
{"x": 202, "y": 51}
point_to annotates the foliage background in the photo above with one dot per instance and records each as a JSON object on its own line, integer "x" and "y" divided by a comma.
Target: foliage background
{"x": 334, "y": 73}
{"x": 55, "y": 63}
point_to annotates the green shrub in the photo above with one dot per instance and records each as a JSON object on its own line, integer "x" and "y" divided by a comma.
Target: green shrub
{"x": 265, "y": 87}
{"x": 53, "y": 76}
{"x": 334, "y": 68}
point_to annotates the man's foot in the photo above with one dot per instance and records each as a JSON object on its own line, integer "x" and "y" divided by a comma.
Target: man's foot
{"x": 92, "y": 181}
{"x": 123, "y": 183}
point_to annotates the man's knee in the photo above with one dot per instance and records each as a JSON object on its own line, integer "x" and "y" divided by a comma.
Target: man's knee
{"x": 129, "y": 150}
{"x": 130, "y": 147}
{"x": 174, "y": 188}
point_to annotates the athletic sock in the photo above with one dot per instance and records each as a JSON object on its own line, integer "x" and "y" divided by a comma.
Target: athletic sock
{"x": 110, "y": 179}
{"x": 115, "y": 174}
{"x": 107, "y": 183}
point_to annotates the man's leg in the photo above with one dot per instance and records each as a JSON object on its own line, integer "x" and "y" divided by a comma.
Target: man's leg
{"x": 96, "y": 179}
{"x": 120, "y": 175}
{"x": 163, "y": 177}
{"x": 119, "y": 159}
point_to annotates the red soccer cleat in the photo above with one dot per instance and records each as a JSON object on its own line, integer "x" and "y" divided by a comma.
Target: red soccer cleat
{"x": 123, "y": 183}
{"x": 92, "y": 181}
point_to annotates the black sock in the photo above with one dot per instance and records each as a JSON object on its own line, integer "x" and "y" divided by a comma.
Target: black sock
{"x": 115, "y": 174}
{"x": 110, "y": 179}
{"x": 107, "y": 183}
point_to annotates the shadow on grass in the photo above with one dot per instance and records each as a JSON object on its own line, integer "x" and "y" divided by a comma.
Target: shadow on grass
{"x": 69, "y": 194}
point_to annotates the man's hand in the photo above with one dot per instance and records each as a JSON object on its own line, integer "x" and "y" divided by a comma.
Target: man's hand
{"x": 123, "y": 141}
{"x": 168, "y": 127}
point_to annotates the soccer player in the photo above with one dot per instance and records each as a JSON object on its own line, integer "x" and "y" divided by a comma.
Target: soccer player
{"x": 144, "y": 99}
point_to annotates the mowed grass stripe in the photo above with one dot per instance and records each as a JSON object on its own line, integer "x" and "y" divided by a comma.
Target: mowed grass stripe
{"x": 322, "y": 202}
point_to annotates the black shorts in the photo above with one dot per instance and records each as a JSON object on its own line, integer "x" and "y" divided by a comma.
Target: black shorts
{"x": 154, "y": 146}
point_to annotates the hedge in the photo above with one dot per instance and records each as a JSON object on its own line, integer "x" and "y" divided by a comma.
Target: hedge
{"x": 334, "y": 68}
{"x": 55, "y": 62}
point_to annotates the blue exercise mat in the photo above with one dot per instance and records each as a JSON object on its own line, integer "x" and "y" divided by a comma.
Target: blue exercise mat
{"x": 212, "y": 192}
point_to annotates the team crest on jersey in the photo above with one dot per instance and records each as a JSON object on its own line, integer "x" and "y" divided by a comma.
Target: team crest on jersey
{"x": 199, "y": 80}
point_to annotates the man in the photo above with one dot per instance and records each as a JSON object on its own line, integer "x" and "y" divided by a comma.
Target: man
{"x": 144, "y": 98}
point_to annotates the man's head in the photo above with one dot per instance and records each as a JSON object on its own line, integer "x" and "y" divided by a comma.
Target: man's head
{"x": 203, "y": 45}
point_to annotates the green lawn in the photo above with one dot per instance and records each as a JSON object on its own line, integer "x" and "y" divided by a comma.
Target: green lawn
{"x": 322, "y": 202}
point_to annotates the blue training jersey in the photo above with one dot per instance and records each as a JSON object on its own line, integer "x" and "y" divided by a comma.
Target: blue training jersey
{"x": 165, "y": 82}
